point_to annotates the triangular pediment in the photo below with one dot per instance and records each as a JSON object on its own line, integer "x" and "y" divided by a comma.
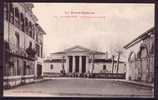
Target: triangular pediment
{"x": 77, "y": 49}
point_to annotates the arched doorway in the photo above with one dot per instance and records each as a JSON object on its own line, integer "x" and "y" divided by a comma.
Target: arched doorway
{"x": 144, "y": 62}
{"x": 132, "y": 66}
{"x": 39, "y": 70}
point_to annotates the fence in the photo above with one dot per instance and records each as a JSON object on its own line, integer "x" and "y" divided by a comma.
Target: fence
{"x": 110, "y": 75}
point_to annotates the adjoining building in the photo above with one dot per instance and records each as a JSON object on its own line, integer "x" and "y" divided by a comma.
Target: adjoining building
{"x": 140, "y": 52}
{"x": 23, "y": 41}
{"x": 79, "y": 60}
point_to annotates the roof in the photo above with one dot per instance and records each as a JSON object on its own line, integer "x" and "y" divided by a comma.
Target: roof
{"x": 55, "y": 60}
{"x": 95, "y": 61}
{"x": 58, "y": 53}
{"x": 41, "y": 29}
{"x": 78, "y": 48}
{"x": 139, "y": 38}
{"x": 105, "y": 61}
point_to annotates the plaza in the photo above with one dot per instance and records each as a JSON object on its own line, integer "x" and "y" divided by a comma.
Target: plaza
{"x": 80, "y": 87}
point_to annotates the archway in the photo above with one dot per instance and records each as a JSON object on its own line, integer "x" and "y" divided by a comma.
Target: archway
{"x": 144, "y": 62}
{"x": 132, "y": 66}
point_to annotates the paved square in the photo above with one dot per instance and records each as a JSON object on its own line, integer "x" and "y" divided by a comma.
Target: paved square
{"x": 70, "y": 87}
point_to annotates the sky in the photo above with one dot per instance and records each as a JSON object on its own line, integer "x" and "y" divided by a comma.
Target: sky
{"x": 97, "y": 26}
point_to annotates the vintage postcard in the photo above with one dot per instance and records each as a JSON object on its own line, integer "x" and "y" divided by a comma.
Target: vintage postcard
{"x": 78, "y": 50}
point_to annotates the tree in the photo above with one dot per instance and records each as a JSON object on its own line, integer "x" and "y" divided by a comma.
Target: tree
{"x": 113, "y": 63}
{"x": 112, "y": 56}
{"x": 119, "y": 51}
{"x": 116, "y": 51}
{"x": 94, "y": 47}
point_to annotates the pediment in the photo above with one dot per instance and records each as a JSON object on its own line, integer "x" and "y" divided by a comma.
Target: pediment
{"x": 77, "y": 49}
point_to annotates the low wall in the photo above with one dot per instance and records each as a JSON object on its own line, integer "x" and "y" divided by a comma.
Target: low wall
{"x": 90, "y": 75}
{"x": 11, "y": 81}
{"x": 110, "y": 75}
{"x": 50, "y": 74}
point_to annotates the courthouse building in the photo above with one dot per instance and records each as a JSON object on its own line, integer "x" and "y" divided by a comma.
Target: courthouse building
{"x": 79, "y": 60}
{"x": 141, "y": 57}
{"x": 23, "y": 41}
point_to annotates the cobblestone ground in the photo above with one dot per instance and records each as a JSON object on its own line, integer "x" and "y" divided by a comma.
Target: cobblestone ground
{"x": 80, "y": 88}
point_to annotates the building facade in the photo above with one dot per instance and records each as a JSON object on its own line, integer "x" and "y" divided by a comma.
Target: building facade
{"x": 23, "y": 41}
{"x": 79, "y": 60}
{"x": 140, "y": 52}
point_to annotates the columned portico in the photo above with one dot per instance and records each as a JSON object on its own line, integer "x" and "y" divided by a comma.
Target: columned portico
{"x": 77, "y": 63}
{"x": 77, "y": 59}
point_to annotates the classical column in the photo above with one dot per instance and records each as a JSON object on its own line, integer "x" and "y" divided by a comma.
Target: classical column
{"x": 73, "y": 65}
{"x": 87, "y": 64}
{"x": 67, "y": 64}
{"x": 80, "y": 63}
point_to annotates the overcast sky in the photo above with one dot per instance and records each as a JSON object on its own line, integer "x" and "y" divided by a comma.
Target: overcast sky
{"x": 94, "y": 26}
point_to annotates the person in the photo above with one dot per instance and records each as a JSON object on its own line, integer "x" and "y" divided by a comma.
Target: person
{"x": 63, "y": 71}
{"x": 88, "y": 74}
{"x": 104, "y": 70}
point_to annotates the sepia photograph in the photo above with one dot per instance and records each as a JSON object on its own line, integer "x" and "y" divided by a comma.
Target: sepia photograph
{"x": 79, "y": 50}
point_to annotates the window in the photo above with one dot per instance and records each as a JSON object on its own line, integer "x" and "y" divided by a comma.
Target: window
{"x": 41, "y": 51}
{"x": 38, "y": 50}
{"x": 37, "y": 37}
{"x": 17, "y": 16}
{"x": 18, "y": 68}
{"x": 11, "y": 68}
{"x": 17, "y": 40}
{"x": 22, "y": 22}
{"x": 24, "y": 69}
{"x": 51, "y": 66}
{"x": 30, "y": 29}
{"x": 11, "y": 13}
{"x": 26, "y": 25}
{"x": 104, "y": 67}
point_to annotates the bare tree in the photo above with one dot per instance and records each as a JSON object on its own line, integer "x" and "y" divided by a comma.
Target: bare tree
{"x": 113, "y": 63}
{"x": 112, "y": 53}
{"x": 93, "y": 46}
{"x": 119, "y": 51}
{"x": 116, "y": 51}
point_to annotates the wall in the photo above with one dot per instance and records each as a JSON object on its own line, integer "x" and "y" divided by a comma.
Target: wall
{"x": 140, "y": 66}
{"x": 57, "y": 67}
{"x": 99, "y": 66}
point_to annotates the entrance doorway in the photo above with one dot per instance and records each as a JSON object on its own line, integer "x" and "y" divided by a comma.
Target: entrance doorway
{"x": 77, "y": 64}
{"x": 83, "y": 64}
{"x": 39, "y": 70}
{"x": 70, "y": 63}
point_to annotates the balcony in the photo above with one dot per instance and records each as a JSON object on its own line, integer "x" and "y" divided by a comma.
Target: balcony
{"x": 19, "y": 52}
{"x": 14, "y": 49}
